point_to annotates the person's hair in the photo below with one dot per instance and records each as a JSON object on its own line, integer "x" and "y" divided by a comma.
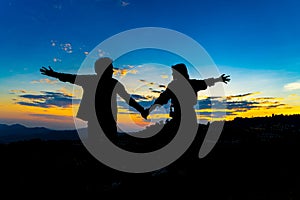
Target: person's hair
{"x": 181, "y": 68}
{"x": 103, "y": 64}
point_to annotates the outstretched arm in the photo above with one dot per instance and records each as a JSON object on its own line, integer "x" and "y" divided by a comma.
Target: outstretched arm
{"x": 61, "y": 76}
{"x": 131, "y": 101}
{"x": 223, "y": 78}
{"x": 149, "y": 110}
{"x": 138, "y": 107}
{"x": 49, "y": 72}
{"x": 161, "y": 100}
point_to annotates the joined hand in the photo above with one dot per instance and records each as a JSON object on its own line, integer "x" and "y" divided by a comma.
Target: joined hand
{"x": 145, "y": 113}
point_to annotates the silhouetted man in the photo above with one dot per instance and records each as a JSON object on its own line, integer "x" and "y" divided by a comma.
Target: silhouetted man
{"x": 102, "y": 89}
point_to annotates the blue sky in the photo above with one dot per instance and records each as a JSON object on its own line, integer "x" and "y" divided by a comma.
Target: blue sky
{"x": 263, "y": 33}
{"x": 256, "y": 41}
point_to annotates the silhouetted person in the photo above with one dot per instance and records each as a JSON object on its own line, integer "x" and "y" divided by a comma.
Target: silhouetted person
{"x": 182, "y": 91}
{"x": 180, "y": 74}
{"x": 102, "y": 89}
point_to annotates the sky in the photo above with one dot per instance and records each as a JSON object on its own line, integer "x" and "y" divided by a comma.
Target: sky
{"x": 256, "y": 42}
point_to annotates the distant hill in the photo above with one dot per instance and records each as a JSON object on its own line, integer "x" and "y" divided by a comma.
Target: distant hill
{"x": 17, "y": 132}
{"x": 285, "y": 128}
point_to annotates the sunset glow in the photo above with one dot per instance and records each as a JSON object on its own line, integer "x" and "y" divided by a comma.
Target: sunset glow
{"x": 262, "y": 60}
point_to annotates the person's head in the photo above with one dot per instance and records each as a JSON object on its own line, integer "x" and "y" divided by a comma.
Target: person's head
{"x": 179, "y": 69}
{"x": 104, "y": 66}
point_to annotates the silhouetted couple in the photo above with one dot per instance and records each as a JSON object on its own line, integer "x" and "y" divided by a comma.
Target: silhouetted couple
{"x": 102, "y": 89}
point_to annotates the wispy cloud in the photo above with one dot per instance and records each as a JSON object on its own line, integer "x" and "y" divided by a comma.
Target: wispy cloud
{"x": 220, "y": 107}
{"x": 206, "y": 114}
{"x": 57, "y": 59}
{"x": 164, "y": 76}
{"x": 66, "y": 47}
{"x": 102, "y": 53}
{"x": 156, "y": 91}
{"x": 47, "y": 99}
{"x": 239, "y": 104}
{"x": 242, "y": 95}
{"x": 264, "y": 98}
{"x": 54, "y": 117}
{"x": 124, "y": 3}
{"x": 45, "y": 80}
{"x": 139, "y": 97}
{"x": 292, "y": 86}
{"x": 277, "y": 105}
{"x": 124, "y": 70}
{"x": 153, "y": 87}
{"x": 17, "y": 91}
{"x": 65, "y": 91}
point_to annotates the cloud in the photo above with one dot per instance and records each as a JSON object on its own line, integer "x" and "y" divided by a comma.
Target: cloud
{"x": 242, "y": 95}
{"x": 148, "y": 83}
{"x": 22, "y": 103}
{"x": 214, "y": 114}
{"x": 164, "y": 76}
{"x": 264, "y": 98}
{"x": 48, "y": 99}
{"x": 55, "y": 117}
{"x": 138, "y": 97}
{"x": 156, "y": 91}
{"x": 292, "y": 86}
{"x": 53, "y": 43}
{"x": 242, "y": 106}
{"x": 45, "y": 80}
{"x": 124, "y": 3}
{"x": 17, "y": 91}
{"x": 121, "y": 72}
{"x": 57, "y": 60}
{"x": 65, "y": 92}
{"x": 275, "y": 105}
{"x": 219, "y": 107}
{"x": 239, "y": 105}
{"x": 33, "y": 96}
{"x": 67, "y": 47}
{"x": 102, "y": 53}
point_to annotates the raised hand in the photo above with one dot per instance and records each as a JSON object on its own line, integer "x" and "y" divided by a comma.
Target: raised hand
{"x": 224, "y": 78}
{"x": 47, "y": 72}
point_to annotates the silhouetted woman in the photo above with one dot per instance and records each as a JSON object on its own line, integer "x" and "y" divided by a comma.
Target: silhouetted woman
{"x": 180, "y": 77}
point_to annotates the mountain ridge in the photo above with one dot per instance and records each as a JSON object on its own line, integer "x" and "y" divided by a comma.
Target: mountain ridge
{"x": 19, "y": 132}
